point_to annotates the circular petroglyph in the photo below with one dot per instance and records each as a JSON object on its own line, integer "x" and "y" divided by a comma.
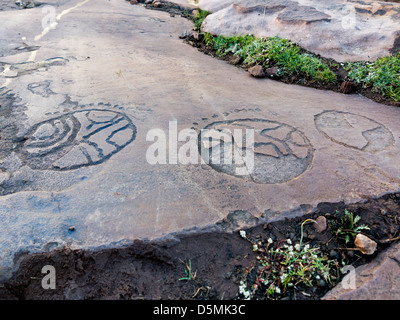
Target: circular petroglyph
{"x": 77, "y": 139}
{"x": 257, "y": 150}
{"x": 354, "y": 131}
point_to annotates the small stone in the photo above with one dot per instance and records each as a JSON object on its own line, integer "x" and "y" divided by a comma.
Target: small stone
{"x": 365, "y": 244}
{"x": 321, "y": 283}
{"x": 310, "y": 236}
{"x": 185, "y": 34}
{"x": 347, "y": 87}
{"x": 79, "y": 265}
{"x": 228, "y": 275}
{"x": 334, "y": 254}
{"x": 157, "y": 4}
{"x": 272, "y": 72}
{"x": 350, "y": 254}
{"x": 72, "y": 228}
{"x": 235, "y": 60}
{"x": 257, "y": 71}
{"x": 148, "y": 2}
{"x": 133, "y": 2}
{"x": 320, "y": 224}
{"x": 198, "y": 36}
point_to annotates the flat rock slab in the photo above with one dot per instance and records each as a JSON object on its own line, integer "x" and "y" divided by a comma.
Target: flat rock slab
{"x": 343, "y": 30}
{"x": 75, "y": 123}
{"x": 378, "y": 280}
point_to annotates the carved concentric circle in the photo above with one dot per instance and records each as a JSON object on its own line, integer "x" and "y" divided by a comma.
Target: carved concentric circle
{"x": 77, "y": 139}
{"x": 281, "y": 152}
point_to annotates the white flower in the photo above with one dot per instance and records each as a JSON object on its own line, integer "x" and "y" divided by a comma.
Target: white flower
{"x": 290, "y": 248}
{"x": 306, "y": 247}
{"x": 270, "y": 240}
{"x": 255, "y": 247}
{"x": 297, "y": 247}
{"x": 277, "y": 290}
{"x": 242, "y": 234}
{"x": 289, "y": 241}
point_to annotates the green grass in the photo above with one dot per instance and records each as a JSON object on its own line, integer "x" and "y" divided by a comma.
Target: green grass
{"x": 199, "y": 18}
{"x": 189, "y": 274}
{"x": 348, "y": 228}
{"x": 281, "y": 53}
{"x": 383, "y": 75}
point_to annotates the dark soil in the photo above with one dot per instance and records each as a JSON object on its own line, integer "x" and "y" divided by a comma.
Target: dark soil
{"x": 219, "y": 261}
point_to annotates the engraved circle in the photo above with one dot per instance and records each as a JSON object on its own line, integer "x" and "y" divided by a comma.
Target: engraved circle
{"x": 77, "y": 139}
{"x": 354, "y": 131}
{"x": 281, "y": 152}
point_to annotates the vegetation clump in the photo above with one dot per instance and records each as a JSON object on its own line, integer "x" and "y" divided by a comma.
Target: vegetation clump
{"x": 288, "y": 57}
{"x": 284, "y": 267}
{"x": 383, "y": 75}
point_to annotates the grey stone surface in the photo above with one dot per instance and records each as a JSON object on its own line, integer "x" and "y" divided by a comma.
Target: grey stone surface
{"x": 123, "y": 64}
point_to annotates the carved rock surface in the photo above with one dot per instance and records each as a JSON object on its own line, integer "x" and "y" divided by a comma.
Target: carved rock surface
{"x": 342, "y": 30}
{"x": 77, "y": 139}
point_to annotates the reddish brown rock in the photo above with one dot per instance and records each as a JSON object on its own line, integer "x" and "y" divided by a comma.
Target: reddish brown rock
{"x": 365, "y": 244}
{"x": 257, "y": 71}
{"x": 235, "y": 60}
{"x": 347, "y": 87}
{"x": 272, "y": 72}
{"x": 157, "y": 4}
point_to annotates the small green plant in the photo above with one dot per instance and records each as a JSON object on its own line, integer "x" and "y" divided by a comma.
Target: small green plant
{"x": 348, "y": 228}
{"x": 286, "y": 267}
{"x": 199, "y": 18}
{"x": 301, "y": 229}
{"x": 189, "y": 274}
{"x": 383, "y": 75}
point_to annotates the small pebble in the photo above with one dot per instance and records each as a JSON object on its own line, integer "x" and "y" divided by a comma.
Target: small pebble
{"x": 334, "y": 254}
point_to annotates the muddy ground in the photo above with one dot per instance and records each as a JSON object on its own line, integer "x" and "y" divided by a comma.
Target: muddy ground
{"x": 219, "y": 260}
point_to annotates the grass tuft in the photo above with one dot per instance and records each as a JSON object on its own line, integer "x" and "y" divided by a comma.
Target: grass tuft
{"x": 383, "y": 75}
{"x": 281, "y": 53}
